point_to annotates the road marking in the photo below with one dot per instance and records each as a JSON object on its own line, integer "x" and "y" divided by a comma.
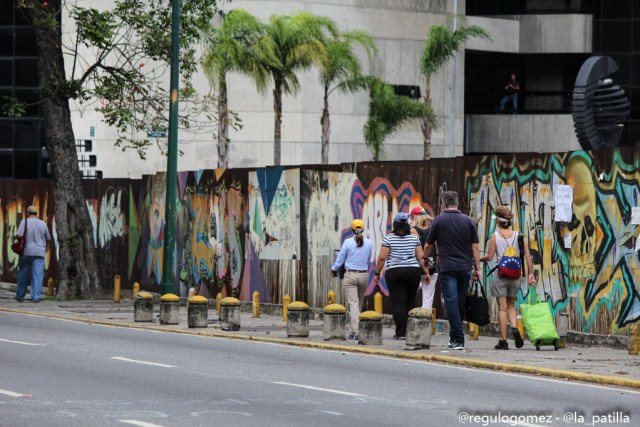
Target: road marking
{"x": 20, "y": 342}
{"x": 13, "y": 394}
{"x": 139, "y": 423}
{"x": 329, "y": 412}
{"x": 328, "y": 390}
{"x": 124, "y": 359}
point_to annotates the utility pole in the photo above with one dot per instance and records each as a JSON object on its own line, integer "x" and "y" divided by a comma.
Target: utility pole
{"x": 166, "y": 285}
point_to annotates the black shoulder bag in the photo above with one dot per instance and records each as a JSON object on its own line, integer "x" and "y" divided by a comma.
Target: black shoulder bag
{"x": 476, "y": 305}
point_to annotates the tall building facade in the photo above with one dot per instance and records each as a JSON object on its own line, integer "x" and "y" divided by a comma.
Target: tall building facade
{"x": 543, "y": 42}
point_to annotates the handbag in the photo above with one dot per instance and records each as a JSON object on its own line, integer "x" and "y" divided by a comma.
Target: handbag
{"x": 20, "y": 242}
{"x": 476, "y": 305}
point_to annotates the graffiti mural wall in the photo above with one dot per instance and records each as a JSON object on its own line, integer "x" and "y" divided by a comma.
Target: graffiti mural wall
{"x": 275, "y": 230}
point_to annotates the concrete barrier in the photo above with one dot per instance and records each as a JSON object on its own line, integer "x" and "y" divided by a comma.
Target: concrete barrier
{"x": 370, "y": 329}
{"x": 334, "y": 322}
{"x": 419, "y": 329}
{"x": 298, "y": 319}
{"x": 143, "y": 307}
{"x": 230, "y": 314}
{"x": 169, "y": 309}
{"x": 197, "y": 312}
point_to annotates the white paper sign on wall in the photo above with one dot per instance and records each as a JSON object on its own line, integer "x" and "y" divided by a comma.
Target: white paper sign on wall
{"x": 563, "y": 196}
{"x": 635, "y": 216}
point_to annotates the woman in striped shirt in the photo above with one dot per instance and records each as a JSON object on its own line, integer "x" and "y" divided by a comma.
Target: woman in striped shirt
{"x": 402, "y": 252}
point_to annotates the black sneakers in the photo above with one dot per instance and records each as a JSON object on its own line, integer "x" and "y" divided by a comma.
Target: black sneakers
{"x": 502, "y": 345}
{"x": 517, "y": 338}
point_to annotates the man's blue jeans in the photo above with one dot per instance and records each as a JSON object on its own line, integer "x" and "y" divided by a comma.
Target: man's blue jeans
{"x": 454, "y": 287}
{"x": 30, "y": 266}
{"x": 513, "y": 97}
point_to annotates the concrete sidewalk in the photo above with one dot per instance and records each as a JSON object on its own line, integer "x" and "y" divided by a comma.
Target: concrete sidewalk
{"x": 602, "y": 365}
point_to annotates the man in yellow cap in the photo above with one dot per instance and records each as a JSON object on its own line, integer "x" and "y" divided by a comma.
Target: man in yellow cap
{"x": 31, "y": 263}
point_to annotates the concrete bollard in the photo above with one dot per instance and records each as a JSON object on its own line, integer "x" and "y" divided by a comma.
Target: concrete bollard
{"x": 377, "y": 302}
{"x": 143, "y": 307}
{"x": 370, "y": 329}
{"x": 298, "y": 319}
{"x": 169, "y": 309}
{"x": 563, "y": 329}
{"x": 197, "y": 312}
{"x": 419, "y": 329}
{"x": 230, "y": 314}
{"x": 334, "y": 322}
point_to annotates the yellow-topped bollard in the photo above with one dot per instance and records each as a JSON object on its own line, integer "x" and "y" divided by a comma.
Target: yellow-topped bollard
{"x": 285, "y": 304}
{"x": 298, "y": 319}
{"x": 218, "y": 301}
{"x": 50, "y": 283}
{"x": 255, "y": 309}
{"x": 331, "y": 297}
{"x": 143, "y": 307}
{"x": 116, "y": 288}
{"x": 230, "y": 314}
{"x": 334, "y": 322}
{"x": 170, "y": 309}
{"x": 377, "y": 302}
{"x": 370, "y": 330}
{"x": 136, "y": 289}
{"x": 197, "y": 312}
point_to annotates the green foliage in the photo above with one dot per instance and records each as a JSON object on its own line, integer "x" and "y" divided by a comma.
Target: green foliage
{"x": 442, "y": 44}
{"x": 388, "y": 112}
{"x": 343, "y": 68}
{"x": 298, "y": 44}
{"x": 121, "y": 62}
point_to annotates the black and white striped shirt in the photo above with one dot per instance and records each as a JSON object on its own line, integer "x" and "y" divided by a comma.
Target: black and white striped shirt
{"x": 402, "y": 250}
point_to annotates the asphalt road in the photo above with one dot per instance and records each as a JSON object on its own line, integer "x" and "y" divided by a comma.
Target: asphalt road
{"x": 62, "y": 373}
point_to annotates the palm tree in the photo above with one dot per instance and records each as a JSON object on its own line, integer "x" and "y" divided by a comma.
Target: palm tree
{"x": 298, "y": 45}
{"x": 342, "y": 72}
{"x": 441, "y": 44}
{"x": 388, "y": 112}
{"x": 237, "y": 44}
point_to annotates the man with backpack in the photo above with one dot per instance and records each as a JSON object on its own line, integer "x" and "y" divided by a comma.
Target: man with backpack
{"x": 505, "y": 244}
{"x": 457, "y": 238}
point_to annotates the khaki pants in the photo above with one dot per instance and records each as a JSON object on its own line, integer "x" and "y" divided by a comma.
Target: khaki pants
{"x": 354, "y": 286}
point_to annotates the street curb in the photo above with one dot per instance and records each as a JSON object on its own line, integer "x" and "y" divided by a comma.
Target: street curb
{"x": 459, "y": 361}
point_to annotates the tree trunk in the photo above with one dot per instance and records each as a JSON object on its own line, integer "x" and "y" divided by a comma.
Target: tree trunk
{"x": 326, "y": 127}
{"x": 426, "y": 125}
{"x": 77, "y": 267}
{"x": 277, "y": 125}
{"x": 223, "y": 124}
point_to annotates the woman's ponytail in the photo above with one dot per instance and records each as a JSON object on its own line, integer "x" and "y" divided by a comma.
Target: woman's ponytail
{"x": 359, "y": 238}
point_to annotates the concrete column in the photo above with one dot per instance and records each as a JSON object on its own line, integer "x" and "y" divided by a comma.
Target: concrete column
{"x": 143, "y": 307}
{"x": 419, "y": 329}
{"x": 298, "y": 319}
{"x": 170, "y": 309}
{"x": 563, "y": 329}
{"x": 334, "y": 322}
{"x": 230, "y": 314}
{"x": 197, "y": 312}
{"x": 370, "y": 329}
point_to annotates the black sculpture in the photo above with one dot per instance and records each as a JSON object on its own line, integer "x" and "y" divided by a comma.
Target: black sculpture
{"x": 599, "y": 105}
